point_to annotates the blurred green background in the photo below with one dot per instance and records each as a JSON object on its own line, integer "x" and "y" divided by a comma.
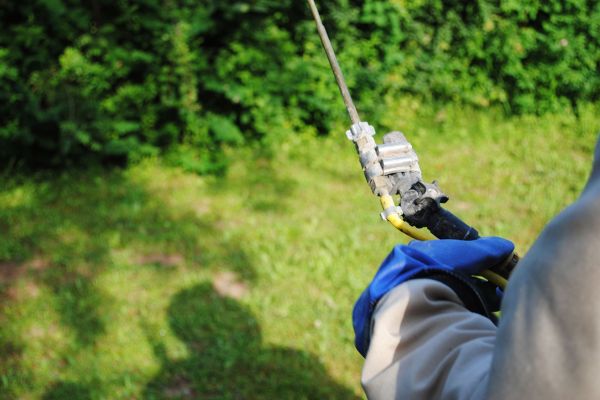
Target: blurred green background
{"x": 181, "y": 215}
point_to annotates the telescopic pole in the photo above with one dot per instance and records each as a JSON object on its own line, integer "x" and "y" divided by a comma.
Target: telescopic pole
{"x": 337, "y": 71}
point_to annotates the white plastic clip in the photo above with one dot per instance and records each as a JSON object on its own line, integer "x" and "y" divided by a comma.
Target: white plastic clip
{"x": 358, "y": 130}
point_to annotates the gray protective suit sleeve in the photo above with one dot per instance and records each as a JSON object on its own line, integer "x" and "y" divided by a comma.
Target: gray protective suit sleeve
{"x": 548, "y": 341}
{"x": 425, "y": 345}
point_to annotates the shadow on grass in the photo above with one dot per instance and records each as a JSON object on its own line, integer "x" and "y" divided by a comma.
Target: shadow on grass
{"x": 227, "y": 359}
{"x": 68, "y": 390}
{"x": 62, "y": 232}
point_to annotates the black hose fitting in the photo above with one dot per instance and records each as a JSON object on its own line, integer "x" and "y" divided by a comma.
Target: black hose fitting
{"x": 422, "y": 208}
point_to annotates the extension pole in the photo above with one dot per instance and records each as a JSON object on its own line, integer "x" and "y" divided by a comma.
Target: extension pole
{"x": 337, "y": 71}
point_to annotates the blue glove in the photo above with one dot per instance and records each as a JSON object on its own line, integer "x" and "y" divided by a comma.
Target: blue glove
{"x": 419, "y": 259}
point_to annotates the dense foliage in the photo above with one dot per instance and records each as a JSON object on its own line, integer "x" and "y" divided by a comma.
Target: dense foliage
{"x": 115, "y": 80}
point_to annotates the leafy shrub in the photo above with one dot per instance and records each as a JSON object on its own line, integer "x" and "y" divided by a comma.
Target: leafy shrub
{"x": 119, "y": 80}
{"x": 528, "y": 56}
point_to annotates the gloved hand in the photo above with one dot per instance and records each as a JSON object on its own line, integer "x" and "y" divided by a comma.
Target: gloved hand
{"x": 454, "y": 258}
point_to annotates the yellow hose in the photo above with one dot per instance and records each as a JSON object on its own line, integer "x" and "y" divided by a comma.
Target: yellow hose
{"x": 494, "y": 278}
{"x": 396, "y": 220}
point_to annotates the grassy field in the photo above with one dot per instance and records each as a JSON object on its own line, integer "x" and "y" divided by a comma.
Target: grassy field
{"x": 149, "y": 282}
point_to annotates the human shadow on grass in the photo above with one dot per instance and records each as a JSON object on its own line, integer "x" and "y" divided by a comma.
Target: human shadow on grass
{"x": 227, "y": 358}
{"x": 64, "y": 234}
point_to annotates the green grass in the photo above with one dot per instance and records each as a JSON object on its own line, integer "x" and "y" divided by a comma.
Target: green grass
{"x": 150, "y": 282}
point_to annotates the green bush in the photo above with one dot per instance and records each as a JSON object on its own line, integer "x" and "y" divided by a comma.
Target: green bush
{"x": 119, "y": 80}
{"x": 527, "y": 56}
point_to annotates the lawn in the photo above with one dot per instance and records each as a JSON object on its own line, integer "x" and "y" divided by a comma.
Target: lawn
{"x": 151, "y": 282}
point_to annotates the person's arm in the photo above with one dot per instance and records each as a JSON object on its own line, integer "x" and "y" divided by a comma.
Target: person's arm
{"x": 426, "y": 345}
{"x": 423, "y": 323}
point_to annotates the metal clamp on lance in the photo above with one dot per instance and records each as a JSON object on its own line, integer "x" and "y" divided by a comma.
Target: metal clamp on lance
{"x": 399, "y": 162}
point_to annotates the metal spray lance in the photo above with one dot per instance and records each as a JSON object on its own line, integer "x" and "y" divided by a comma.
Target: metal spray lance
{"x": 392, "y": 168}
